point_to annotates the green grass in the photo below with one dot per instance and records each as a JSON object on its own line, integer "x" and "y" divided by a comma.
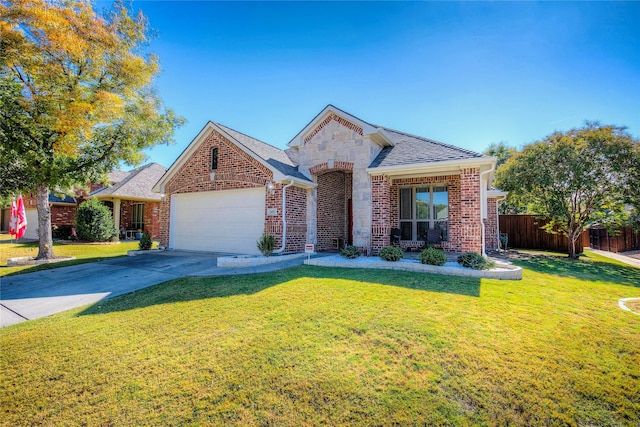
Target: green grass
{"x": 322, "y": 346}
{"x": 83, "y": 254}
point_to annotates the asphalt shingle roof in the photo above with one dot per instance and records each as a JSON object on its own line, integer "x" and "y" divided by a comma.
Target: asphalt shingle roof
{"x": 407, "y": 150}
{"x": 63, "y": 198}
{"x": 273, "y": 155}
{"x": 136, "y": 184}
{"x": 411, "y": 149}
{"x": 117, "y": 176}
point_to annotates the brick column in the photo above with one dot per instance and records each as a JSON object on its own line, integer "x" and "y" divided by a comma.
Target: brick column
{"x": 164, "y": 212}
{"x": 381, "y": 213}
{"x": 470, "y": 228}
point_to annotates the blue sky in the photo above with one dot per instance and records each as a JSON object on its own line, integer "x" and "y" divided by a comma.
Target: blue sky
{"x": 467, "y": 74}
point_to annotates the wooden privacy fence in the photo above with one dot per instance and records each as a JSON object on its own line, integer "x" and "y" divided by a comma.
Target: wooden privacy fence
{"x": 524, "y": 232}
{"x": 626, "y": 240}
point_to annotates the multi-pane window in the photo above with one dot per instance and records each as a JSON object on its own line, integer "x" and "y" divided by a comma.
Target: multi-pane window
{"x": 421, "y": 209}
{"x": 214, "y": 158}
{"x": 137, "y": 216}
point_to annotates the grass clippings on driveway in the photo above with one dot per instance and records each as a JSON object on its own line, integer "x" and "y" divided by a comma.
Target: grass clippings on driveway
{"x": 313, "y": 346}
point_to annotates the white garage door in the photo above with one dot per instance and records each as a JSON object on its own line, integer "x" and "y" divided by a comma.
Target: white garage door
{"x": 218, "y": 221}
{"x": 32, "y": 224}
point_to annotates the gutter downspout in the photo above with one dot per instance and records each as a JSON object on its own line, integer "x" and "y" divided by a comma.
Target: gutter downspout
{"x": 284, "y": 218}
{"x": 483, "y": 202}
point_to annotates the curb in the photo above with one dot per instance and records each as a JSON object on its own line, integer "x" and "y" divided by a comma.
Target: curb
{"x": 241, "y": 261}
{"x": 503, "y": 272}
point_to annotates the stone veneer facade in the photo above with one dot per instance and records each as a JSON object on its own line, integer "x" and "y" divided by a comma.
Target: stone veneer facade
{"x": 337, "y": 145}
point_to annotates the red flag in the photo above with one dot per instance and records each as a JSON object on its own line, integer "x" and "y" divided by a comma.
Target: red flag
{"x": 14, "y": 217}
{"x": 21, "y": 225}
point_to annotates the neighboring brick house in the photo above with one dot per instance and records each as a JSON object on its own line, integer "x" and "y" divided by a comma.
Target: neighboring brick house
{"x": 62, "y": 208}
{"x": 129, "y": 196}
{"x": 344, "y": 181}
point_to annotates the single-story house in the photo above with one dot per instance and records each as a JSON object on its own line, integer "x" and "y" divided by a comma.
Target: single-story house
{"x": 62, "y": 208}
{"x": 129, "y": 196}
{"x": 127, "y": 193}
{"x": 340, "y": 181}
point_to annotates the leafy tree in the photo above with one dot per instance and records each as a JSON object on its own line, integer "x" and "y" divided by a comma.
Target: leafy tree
{"x": 500, "y": 150}
{"x": 575, "y": 178}
{"x": 504, "y": 152}
{"x": 76, "y": 97}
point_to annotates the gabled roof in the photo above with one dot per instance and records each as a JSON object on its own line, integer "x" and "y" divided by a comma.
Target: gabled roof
{"x": 274, "y": 156}
{"x": 374, "y": 131}
{"x": 411, "y": 149}
{"x": 271, "y": 157}
{"x": 134, "y": 185}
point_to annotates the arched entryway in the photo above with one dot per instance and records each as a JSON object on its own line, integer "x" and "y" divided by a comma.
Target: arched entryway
{"x": 334, "y": 209}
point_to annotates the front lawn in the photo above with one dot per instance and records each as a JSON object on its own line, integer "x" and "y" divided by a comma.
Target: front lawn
{"x": 322, "y": 346}
{"x": 83, "y": 253}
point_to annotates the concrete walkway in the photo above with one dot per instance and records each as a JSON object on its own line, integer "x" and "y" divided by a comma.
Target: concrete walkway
{"x": 40, "y": 294}
{"x": 631, "y": 258}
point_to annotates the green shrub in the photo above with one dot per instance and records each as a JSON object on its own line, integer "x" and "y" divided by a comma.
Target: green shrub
{"x": 433, "y": 256}
{"x": 94, "y": 222}
{"x": 391, "y": 253}
{"x": 266, "y": 244}
{"x": 350, "y": 252}
{"x": 475, "y": 260}
{"x": 61, "y": 232}
{"x": 145, "y": 242}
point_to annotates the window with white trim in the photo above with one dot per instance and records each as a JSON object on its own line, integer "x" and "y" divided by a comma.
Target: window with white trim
{"x": 423, "y": 208}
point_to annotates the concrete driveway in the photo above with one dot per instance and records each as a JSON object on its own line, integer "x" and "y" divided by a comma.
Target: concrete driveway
{"x": 34, "y": 295}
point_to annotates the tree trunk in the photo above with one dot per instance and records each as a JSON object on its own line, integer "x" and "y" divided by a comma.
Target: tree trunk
{"x": 572, "y": 245}
{"x": 45, "y": 247}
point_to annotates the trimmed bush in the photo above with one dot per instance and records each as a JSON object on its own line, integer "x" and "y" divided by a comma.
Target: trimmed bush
{"x": 350, "y": 252}
{"x": 145, "y": 242}
{"x": 94, "y": 222}
{"x": 433, "y": 256}
{"x": 391, "y": 253}
{"x": 475, "y": 260}
{"x": 266, "y": 244}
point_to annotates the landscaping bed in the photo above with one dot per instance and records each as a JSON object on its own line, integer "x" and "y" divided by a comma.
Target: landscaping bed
{"x": 502, "y": 270}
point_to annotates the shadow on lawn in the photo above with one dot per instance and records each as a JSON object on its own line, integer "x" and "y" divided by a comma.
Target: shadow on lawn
{"x": 583, "y": 269}
{"x": 190, "y": 289}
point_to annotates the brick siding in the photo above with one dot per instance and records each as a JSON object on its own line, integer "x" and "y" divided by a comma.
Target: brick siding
{"x": 61, "y": 214}
{"x": 470, "y": 231}
{"x": 381, "y": 219}
{"x": 236, "y": 170}
{"x": 151, "y": 217}
{"x": 332, "y": 210}
{"x": 464, "y": 210}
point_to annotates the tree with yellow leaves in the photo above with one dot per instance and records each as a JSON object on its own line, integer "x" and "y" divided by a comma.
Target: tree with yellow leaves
{"x": 76, "y": 97}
